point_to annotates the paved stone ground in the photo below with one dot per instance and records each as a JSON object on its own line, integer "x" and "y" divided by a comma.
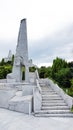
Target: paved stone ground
{"x": 10, "y": 120}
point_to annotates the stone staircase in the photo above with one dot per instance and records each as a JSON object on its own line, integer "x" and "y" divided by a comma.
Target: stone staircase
{"x": 52, "y": 104}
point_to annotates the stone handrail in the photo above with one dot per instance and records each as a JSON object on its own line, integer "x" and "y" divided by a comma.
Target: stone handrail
{"x": 37, "y": 75}
{"x": 37, "y": 96}
{"x": 38, "y": 86}
{"x": 68, "y": 99}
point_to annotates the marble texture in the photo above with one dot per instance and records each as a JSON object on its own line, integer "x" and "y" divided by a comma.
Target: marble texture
{"x": 15, "y": 98}
{"x": 37, "y": 97}
{"x": 5, "y": 96}
{"x": 21, "y": 104}
{"x": 21, "y": 56}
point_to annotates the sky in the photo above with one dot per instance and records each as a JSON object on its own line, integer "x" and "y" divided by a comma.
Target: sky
{"x": 49, "y": 28}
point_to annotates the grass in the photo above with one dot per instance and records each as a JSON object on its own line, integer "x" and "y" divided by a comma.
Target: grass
{"x": 72, "y": 109}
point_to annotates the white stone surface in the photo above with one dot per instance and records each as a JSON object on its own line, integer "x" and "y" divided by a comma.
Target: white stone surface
{"x": 37, "y": 99}
{"x": 32, "y": 77}
{"x": 21, "y": 104}
{"x": 10, "y": 120}
{"x": 21, "y": 56}
{"x": 13, "y": 98}
{"x": 27, "y": 90}
{"x": 5, "y": 96}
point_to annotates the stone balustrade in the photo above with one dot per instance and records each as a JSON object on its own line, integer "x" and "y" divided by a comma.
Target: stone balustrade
{"x": 37, "y": 99}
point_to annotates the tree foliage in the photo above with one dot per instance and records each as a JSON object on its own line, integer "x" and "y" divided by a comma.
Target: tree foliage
{"x": 4, "y": 70}
{"x": 42, "y": 72}
{"x": 63, "y": 77}
{"x": 32, "y": 69}
{"x": 58, "y": 64}
{"x": 61, "y": 72}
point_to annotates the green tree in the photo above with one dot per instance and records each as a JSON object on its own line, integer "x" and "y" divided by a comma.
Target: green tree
{"x": 32, "y": 69}
{"x": 42, "y": 72}
{"x": 2, "y": 62}
{"x": 70, "y": 90}
{"x": 71, "y": 82}
{"x": 4, "y": 71}
{"x": 48, "y": 72}
{"x": 63, "y": 77}
{"x": 58, "y": 64}
{"x": 70, "y": 64}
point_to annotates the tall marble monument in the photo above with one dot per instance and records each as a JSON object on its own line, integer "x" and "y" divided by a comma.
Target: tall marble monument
{"x": 21, "y": 56}
{"x": 9, "y": 58}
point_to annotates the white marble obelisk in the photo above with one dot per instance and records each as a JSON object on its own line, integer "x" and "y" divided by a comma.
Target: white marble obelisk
{"x": 21, "y": 56}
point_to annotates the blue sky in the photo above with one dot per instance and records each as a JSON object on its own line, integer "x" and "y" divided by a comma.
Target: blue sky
{"x": 49, "y": 28}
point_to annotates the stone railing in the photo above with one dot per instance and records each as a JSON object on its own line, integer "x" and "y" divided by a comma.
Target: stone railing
{"x": 37, "y": 75}
{"x": 3, "y": 80}
{"x": 37, "y": 99}
{"x": 38, "y": 86}
{"x": 68, "y": 99}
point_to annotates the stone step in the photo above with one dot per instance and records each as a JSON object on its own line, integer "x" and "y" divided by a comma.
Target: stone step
{"x": 47, "y": 89}
{"x": 55, "y": 107}
{"x": 50, "y": 94}
{"x": 51, "y": 97}
{"x": 53, "y": 101}
{"x": 70, "y": 115}
{"x": 54, "y": 104}
{"x": 52, "y": 112}
{"x": 47, "y": 93}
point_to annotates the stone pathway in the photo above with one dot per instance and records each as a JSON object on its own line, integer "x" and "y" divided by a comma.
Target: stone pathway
{"x": 10, "y": 120}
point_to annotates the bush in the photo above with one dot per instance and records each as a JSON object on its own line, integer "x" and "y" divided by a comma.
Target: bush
{"x": 42, "y": 72}
{"x": 4, "y": 70}
{"x": 70, "y": 91}
{"x": 63, "y": 77}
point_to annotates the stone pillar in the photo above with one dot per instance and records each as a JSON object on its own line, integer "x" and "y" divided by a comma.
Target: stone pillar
{"x": 16, "y": 71}
{"x": 21, "y": 56}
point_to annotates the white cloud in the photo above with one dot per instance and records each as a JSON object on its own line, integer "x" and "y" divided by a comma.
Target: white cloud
{"x": 59, "y": 44}
{"x": 44, "y": 20}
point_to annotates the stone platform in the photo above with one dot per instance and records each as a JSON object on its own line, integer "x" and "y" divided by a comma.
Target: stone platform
{"x": 16, "y": 96}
